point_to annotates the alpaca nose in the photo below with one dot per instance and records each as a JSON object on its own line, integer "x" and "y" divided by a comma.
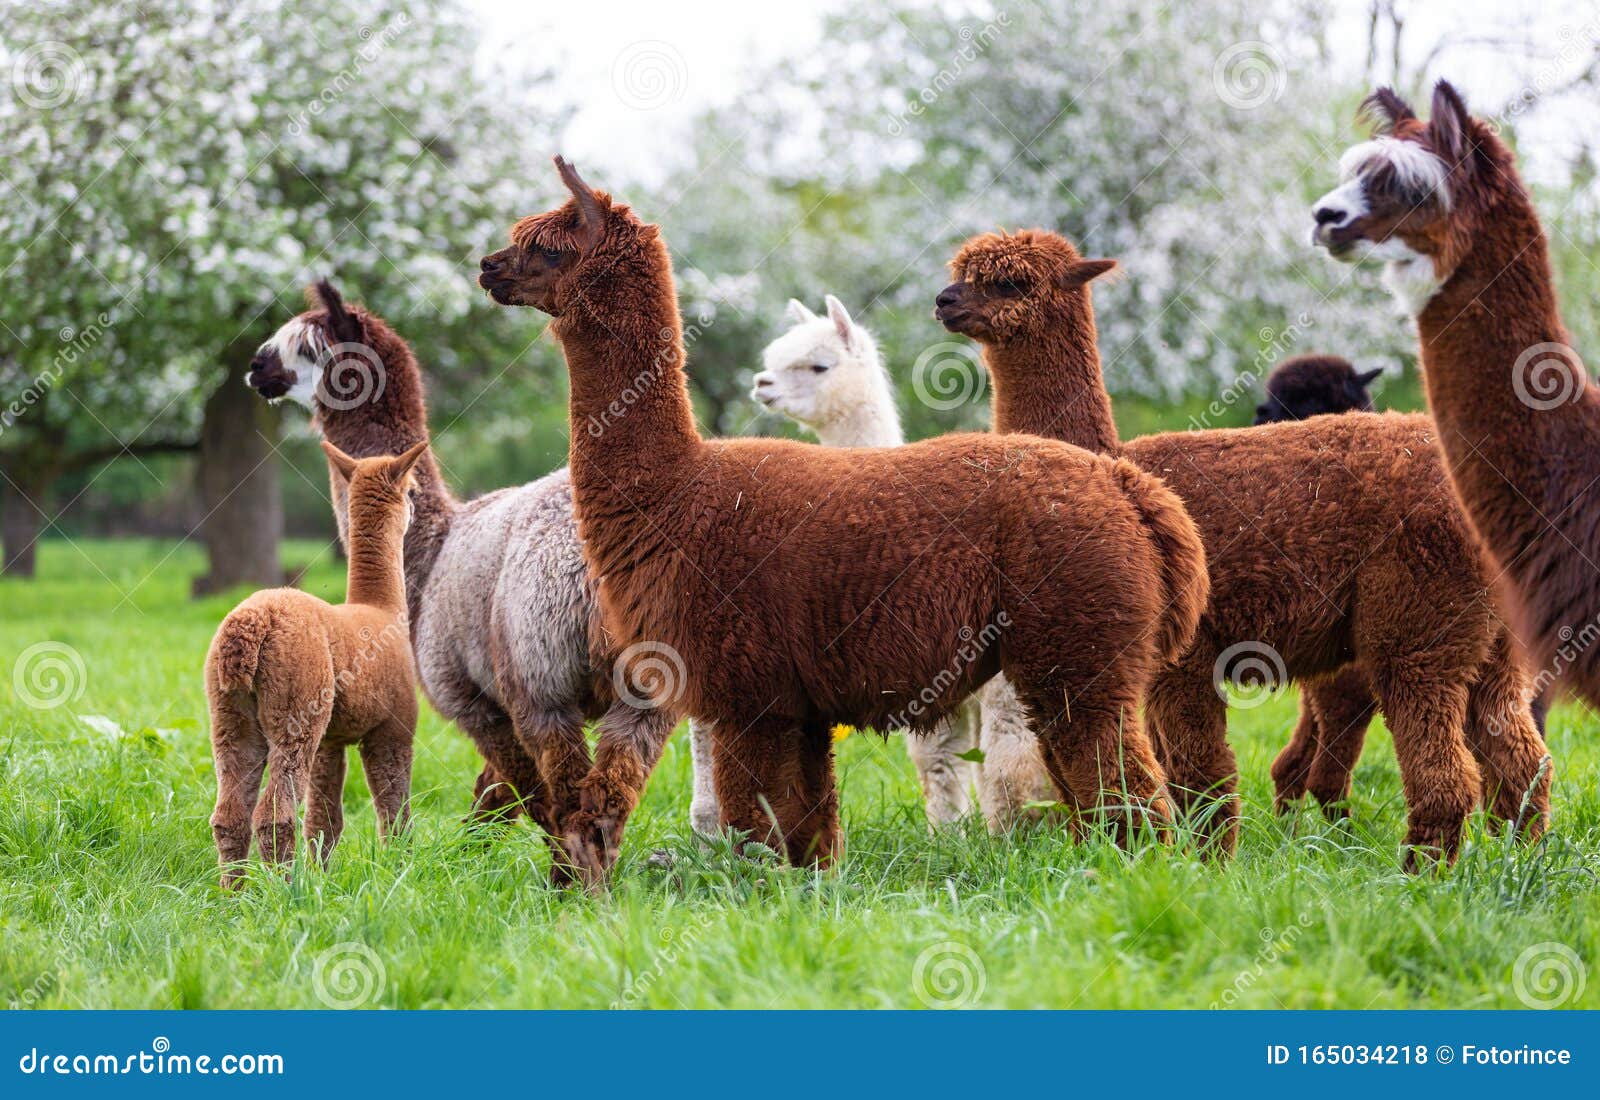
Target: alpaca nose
{"x": 947, "y": 297}
{"x": 1331, "y": 216}
{"x": 488, "y": 263}
{"x": 763, "y": 381}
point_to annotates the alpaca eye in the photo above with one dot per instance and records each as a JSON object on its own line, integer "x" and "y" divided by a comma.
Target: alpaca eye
{"x": 819, "y": 368}
{"x": 1010, "y": 288}
{"x": 551, "y": 256}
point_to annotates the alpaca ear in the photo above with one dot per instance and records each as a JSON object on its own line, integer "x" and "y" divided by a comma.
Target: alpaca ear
{"x": 340, "y": 461}
{"x": 341, "y": 322}
{"x": 405, "y": 460}
{"x": 1366, "y": 377}
{"x": 1085, "y": 271}
{"x": 588, "y": 205}
{"x": 841, "y": 320}
{"x": 1449, "y": 124}
{"x": 1383, "y": 110}
{"x": 797, "y": 313}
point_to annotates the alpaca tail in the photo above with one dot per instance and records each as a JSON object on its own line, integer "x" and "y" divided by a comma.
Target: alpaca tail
{"x": 1181, "y": 553}
{"x": 236, "y": 650}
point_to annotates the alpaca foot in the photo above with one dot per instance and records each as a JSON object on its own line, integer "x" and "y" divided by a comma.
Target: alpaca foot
{"x": 233, "y": 877}
{"x": 494, "y": 802}
{"x": 276, "y": 841}
{"x": 1334, "y": 801}
{"x": 1291, "y": 776}
{"x": 1429, "y": 845}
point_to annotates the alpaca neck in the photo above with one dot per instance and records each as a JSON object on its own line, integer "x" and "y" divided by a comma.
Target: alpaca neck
{"x": 629, "y": 407}
{"x": 393, "y": 422}
{"x": 870, "y": 424}
{"x": 1049, "y": 384}
{"x": 377, "y": 568}
{"x": 1513, "y": 462}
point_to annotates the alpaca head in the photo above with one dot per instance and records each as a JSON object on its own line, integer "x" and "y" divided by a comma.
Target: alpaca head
{"x": 1415, "y": 194}
{"x": 1311, "y": 385}
{"x": 379, "y": 488}
{"x": 825, "y": 372}
{"x": 557, "y": 259}
{"x": 331, "y": 357}
{"x": 1015, "y": 285}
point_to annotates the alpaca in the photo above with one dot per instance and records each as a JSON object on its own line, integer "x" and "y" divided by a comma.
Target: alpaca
{"x": 803, "y": 586}
{"x": 1320, "y": 761}
{"x": 502, "y": 611}
{"x": 1441, "y": 205}
{"x": 293, "y": 682}
{"x": 1314, "y": 385}
{"x": 825, "y": 373}
{"x": 1382, "y": 568}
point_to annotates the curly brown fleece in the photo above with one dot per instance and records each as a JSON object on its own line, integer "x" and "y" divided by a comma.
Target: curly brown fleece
{"x": 1328, "y": 541}
{"x": 802, "y": 586}
{"x": 293, "y": 682}
{"x": 1518, "y": 415}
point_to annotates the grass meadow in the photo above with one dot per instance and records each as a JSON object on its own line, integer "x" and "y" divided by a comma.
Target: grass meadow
{"x": 108, "y": 894}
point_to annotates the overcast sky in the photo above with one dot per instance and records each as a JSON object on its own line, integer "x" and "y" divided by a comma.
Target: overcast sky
{"x": 641, "y": 69}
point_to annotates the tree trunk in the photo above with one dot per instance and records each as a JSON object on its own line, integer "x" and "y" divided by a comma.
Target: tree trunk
{"x": 239, "y": 492}
{"x": 20, "y": 522}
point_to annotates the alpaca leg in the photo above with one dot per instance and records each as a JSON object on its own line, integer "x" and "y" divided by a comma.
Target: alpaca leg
{"x": 1096, "y": 751}
{"x": 1426, "y": 717}
{"x": 1202, "y": 774}
{"x": 946, "y": 790}
{"x": 288, "y": 776}
{"x": 1512, "y": 757}
{"x": 1291, "y": 769}
{"x": 386, "y": 760}
{"x": 703, "y": 811}
{"x": 240, "y": 751}
{"x": 509, "y": 783}
{"x": 553, "y": 737}
{"x": 760, "y": 782}
{"x": 325, "y": 804}
{"x": 1344, "y": 707}
{"x": 815, "y": 837}
{"x": 1013, "y": 776}
{"x": 630, "y": 744}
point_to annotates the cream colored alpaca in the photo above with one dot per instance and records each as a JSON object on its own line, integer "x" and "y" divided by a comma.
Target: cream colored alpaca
{"x": 825, "y": 373}
{"x": 293, "y": 682}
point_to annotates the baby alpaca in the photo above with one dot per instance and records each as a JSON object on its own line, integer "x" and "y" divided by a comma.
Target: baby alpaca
{"x": 826, "y": 374}
{"x": 292, "y": 682}
{"x": 803, "y": 586}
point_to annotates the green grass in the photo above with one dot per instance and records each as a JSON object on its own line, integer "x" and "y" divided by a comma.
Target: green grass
{"x": 108, "y": 893}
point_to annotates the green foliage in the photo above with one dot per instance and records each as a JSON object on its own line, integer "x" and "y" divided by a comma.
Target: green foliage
{"x": 108, "y": 891}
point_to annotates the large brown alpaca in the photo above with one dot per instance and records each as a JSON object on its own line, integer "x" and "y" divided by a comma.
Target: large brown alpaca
{"x": 802, "y": 586}
{"x": 1440, "y": 203}
{"x": 1328, "y": 541}
{"x": 293, "y": 682}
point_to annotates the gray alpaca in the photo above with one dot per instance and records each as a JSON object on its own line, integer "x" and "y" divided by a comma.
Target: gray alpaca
{"x": 503, "y": 616}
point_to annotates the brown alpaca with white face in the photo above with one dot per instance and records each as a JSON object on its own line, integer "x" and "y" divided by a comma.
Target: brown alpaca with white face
{"x": 1441, "y": 205}
{"x": 803, "y": 586}
{"x": 293, "y": 682}
{"x": 1328, "y": 541}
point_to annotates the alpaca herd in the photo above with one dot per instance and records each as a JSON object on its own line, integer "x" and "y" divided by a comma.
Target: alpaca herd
{"x": 1050, "y": 613}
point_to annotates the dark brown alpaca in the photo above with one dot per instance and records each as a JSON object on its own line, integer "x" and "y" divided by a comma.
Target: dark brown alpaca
{"x": 803, "y": 586}
{"x": 1328, "y": 541}
{"x": 1320, "y": 761}
{"x": 293, "y": 682}
{"x": 1315, "y": 385}
{"x": 1442, "y": 205}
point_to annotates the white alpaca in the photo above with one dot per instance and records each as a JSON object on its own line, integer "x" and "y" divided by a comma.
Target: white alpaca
{"x": 825, "y": 373}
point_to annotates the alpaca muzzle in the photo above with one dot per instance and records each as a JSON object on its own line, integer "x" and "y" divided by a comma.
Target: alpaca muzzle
{"x": 268, "y": 376}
